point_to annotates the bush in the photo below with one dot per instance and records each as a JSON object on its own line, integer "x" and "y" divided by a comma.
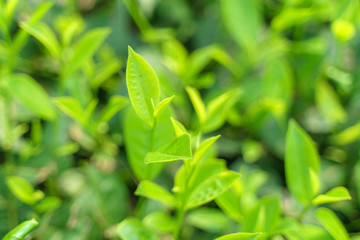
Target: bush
{"x": 230, "y": 119}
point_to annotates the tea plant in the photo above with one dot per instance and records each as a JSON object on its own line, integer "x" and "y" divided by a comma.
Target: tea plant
{"x": 238, "y": 120}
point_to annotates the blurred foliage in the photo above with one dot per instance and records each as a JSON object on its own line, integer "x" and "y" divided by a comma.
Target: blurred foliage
{"x": 277, "y": 79}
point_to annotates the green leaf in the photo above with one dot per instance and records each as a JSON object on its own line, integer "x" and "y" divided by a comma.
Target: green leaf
{"x": 208, "y": 219}
{"x": 104, "y": 72}
{"x": 178, "y": 149}
{"x": 329, "y": 103}
{"x": 197, "y": 103}
{"x": 143, "y": 86}
{"x": 112, "y": 107}
{"x": 264, "y": 216}
{"x": 229, "y": 202}
{"x": 243, "y": 21}
{"x": 240, "y": 236}
{"x": 71, "y": 107}
{"x": 140, "y": 139}
{"x": 85, "y": 48}
{"x": 343, "y": 30}
{"x": 20, "y": 231}
{"x": 332, "y": 224}
{"x": 159, "y": 222}
{"x": 159, "y": 109}
{"x": 203, "y": 148}
{"x": 211, "y": 188}
{"x": 334, "y": 195}
{"x": 48, "y": 204}
{"x": 133, "y": 229}
{"x": 178, "y": 127}
{"x": 10, "y": 9}
{"x": 347, "y": 136}
{"x": 151, "y": 190}
{"x": 23, "y": 190}
{"x": 290, "y": 17}
{"x": 31, "y": 94}
{"x": 300, "y": 159}
{"x": 45, "y": 35}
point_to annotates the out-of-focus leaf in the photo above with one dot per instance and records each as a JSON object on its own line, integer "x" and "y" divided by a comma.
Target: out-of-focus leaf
{"x": 208, "y": 219}
{"x": 343, "y": 30}
{"x": 334, "y": 195}
{"x": 85, "y": 48}
{"x": 290, "y": 17}
{"x": 45, "y": 35}
{"x": 104, "y": 72}
{"x": 178, "y": 127}
{"x": 332, "y": 224}
{"x": 20, "y": 231}
{"x": 197, "y": 103}
{"x": 112, "y": 107}
{"x": 23, "y": 190}
{"x": 31, "y": 94}
{"x": 48, "y": 204}
{"x": 347, "y": 136}
{"x": 203, "y": 148}
{"x": 211, "y": 188}
{"x": 300, "y": 159}
{"x": 243, "y": 21}
{"x": 329, "y": 103}
{"x": 71, "y": 107}
{"x": 240, "y": 236}
{"x": 160, "y": 222}
{"x": 229, "y": 201}
{"x": 264, "y": 216}
{"x": 143, "y": 86}
{"x": 151, "y": 190}
{"x": 178, "y": 149}
{"x": 133, "y": 229}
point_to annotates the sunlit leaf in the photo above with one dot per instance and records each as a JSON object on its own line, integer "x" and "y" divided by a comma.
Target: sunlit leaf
{"x": 151, "y": 190}
{"x": 334, "y": 195}
{"x": 332, "y": 224}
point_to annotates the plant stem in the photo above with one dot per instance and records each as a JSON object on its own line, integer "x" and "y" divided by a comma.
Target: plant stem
{"x": 303, "y": 212}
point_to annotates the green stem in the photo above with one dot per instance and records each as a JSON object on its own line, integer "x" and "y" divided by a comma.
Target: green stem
{"x": 301, "y": 215}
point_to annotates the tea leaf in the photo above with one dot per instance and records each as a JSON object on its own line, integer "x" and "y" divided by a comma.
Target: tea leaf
{"x": 85, "y": 48}
{"x": 23, "y": 190}
{"x": 240, "y": 236}
{"x": 112, "y": 107}
{"x": 197, "y": 103}
{"x": 332, "y": 224}
{"x": 301, "y": 157}
{"x": 143, "y": 85}
{"x": 203, "y": 147}
{"x": 211, "y": 188}
{"x": 160, "y": 222}
{"x": 151, "y": 190}
{"x": 71, "y": 107}
{"x": 133, "y": 229}
{"x": 178, "y": 149}
{"x": 20, "y": 231}
{"x": 45, "y": 35}
{"x": 162, "y": 106}
{"x": 178, "y": 127}
{"x": 348, "y": 135}
{"x": 243, "y": 21}
{"x": 31, "y": 94}
{"x": 229, "y": 202}
{"x": 209, "y": 219}
{"x": 334, "y": 195}
{"x": 290, "y": 17}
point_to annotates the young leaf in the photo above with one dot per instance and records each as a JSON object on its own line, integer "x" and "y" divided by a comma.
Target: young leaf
{"x": 151, "y": 190}
{"x": 178, "y": 127}
{"x": 229, "y": 202}
{"x": 178, "y": 149}
{"x": 114, "y": 105}
{"x": 301, "y": 157}
{"x": 334, "y": 195}
{"x": 133, "y": 229}
{"x": 243, "y": 21}
{"x": 23, "y": 190}
{"x": 349, "y": 135}
{"x": 203, "y": 147}
{"x": 211, "y": 188}
{"x": 162, "y": 106}
{"x": 71, "y": 107}
{"x": 197, "y": 103}
{"x": 240, "y": 236}
{"x": 160, "y": 222}
{"x": 209, "y": 219}
{"x": 143, "y": 86}
{"x": 20, "y": 231}
{"x": 85, "y": 48}
{"x": 332, "y": 224}
{"x": 45, "y": 35}
{"x": 31, "y": 94}
{"x": 264, "y": 216}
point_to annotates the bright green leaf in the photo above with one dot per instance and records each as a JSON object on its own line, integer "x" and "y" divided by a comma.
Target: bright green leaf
{"x": 162, "y": 106}
{"x": 178, "y": 127}
{"x": 334, "y": 195}
{"x": 71, "y": 107}
{"x": 349, "y": 135}
{"x": 332, "y": 224}
{"x": 151, "y": 190}
{"x": 204, "y": 147}
{"x": 23, "y": 190}
{"x": 197, "y": 103}
{"x": 31, "y": 94}
{"x": 343, "y": 30}
{"x": 20, "y": 231}
{"x": 143, "y": 86}
{"x": 112, "y": 107}
{"x": 208, "y": 219}
{"x": 160, "y": 222}
{"x": 240, "y": 236}
{"x": 133, "y": 229}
